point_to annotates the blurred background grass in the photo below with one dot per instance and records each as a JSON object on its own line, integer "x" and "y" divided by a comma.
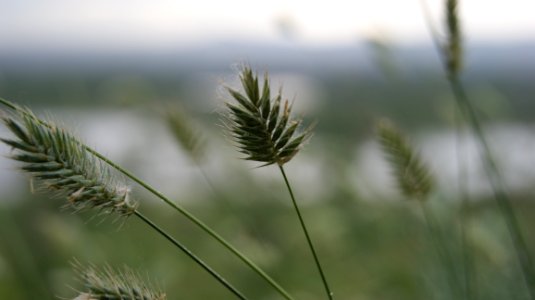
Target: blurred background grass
{"x": 373, "y": 243}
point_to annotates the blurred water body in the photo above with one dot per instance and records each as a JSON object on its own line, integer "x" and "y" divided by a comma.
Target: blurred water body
{"x": 145, "y": 146}
{"x": 450, "y": 156}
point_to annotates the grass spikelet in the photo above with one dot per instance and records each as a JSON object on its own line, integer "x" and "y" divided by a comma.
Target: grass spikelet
{"x": 261, "y": 125}
{"x": 411, "y": 173}
{"x": 58, "y": 162}
{"x": 453, "y": 49}
{"x": 109, "y": 284}
{"x": 184, "y": 133}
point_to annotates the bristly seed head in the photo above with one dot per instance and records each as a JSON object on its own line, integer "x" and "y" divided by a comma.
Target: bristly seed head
{"x": 411, "y": 173}
{"x": 60, "y": 163}
{"x": 261, "y": 125}
{"x": 108, "y": 284}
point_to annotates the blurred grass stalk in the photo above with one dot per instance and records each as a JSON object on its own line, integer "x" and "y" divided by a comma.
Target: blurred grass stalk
{"x": 451, "y": 58}
{"x": 416, "y": 183}
{"x": 467, "y": 246}
{"x": 191, "y": 140}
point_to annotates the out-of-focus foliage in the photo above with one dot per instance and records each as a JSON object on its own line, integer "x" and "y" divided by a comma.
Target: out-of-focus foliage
{"x": 371, "y": 247}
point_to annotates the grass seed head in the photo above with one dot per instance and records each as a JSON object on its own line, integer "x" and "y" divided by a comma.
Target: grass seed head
{"x": 261, "y": 125}
{"x": 185, "y": 132}
{"x": 107, "y": 284}
{"x": 411, "y": 173}
{"x": 59, "y": 162}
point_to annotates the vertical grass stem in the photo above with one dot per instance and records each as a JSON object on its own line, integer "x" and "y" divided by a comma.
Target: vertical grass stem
{"x": 495, "y": 178}
{"x": 309, "y": 240}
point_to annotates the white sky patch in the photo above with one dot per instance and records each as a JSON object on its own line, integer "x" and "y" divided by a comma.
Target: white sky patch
{"x": 168, "y": 22}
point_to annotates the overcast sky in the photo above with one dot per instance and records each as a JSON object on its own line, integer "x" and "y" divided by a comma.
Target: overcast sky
{"x": 163, "y": 23}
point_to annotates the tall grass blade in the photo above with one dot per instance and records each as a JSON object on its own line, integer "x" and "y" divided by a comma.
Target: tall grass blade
{"x": 415, "y": 182}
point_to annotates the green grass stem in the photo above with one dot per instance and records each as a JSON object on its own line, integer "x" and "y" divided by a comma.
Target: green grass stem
{"x": 330, "y": 294}
{"x": 186, "y": 251}
{"x": 199, "y": 223}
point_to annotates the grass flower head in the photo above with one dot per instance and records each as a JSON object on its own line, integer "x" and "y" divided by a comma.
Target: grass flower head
{"x": 58, "y": 162}
{"x": 261, "y": 125}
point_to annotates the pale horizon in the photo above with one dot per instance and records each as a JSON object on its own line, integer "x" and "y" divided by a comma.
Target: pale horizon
{"x": 137, "y": 24}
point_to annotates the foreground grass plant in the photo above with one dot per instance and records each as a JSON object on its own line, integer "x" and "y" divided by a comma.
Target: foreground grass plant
{"x": 106, "y": 284}
{"x": 22, "y": 112}
{"x": 264, "y": 132}
{"x": 57, "y": 161}
{"x": 62, "y": 164}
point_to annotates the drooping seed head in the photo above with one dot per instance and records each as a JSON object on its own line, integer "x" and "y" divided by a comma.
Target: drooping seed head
{"x": 261, "y": 125}
{"x": 410, "y": 171}
{"x": 60, "y": 163}
{"x": 109, "y": 284}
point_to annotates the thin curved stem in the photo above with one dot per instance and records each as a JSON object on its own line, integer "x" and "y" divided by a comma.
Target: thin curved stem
{"x": 309, "y": 240}
{"x": 181, "y": 210}
{"x": 186, "y": 251}
{"x": 197, "y": 222}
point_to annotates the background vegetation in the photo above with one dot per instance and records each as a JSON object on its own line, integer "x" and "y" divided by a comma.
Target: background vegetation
{"x": 373, "y": 243}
